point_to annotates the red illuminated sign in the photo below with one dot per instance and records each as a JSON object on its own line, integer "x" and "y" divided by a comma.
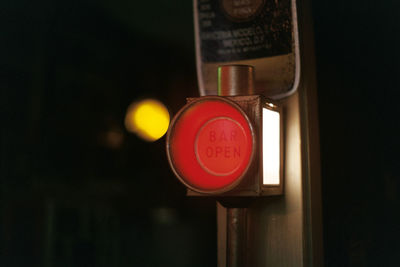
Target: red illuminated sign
{"x": 219, "y": 145}
{"x": 210, "y": 145}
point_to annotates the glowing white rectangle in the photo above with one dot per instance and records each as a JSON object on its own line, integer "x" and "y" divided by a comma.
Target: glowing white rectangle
{"x": 271, "y": 147}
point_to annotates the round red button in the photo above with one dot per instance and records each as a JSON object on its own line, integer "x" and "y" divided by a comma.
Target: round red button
{"x": 210, "y": 144}
{"x": 219, "y": 145}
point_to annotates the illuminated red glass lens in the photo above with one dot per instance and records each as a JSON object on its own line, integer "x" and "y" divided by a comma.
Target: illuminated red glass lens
{"x": 219, "y": 144}
{"x": 210, "y": 145}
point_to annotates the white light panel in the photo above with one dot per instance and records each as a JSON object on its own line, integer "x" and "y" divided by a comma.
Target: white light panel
{"x": 271, "y": 147}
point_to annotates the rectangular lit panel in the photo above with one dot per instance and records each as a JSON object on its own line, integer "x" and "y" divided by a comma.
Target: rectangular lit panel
{"x": 271, "y": 147}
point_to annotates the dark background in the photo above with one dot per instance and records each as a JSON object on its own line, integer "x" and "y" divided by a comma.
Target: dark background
{"x": 78, "y": 190}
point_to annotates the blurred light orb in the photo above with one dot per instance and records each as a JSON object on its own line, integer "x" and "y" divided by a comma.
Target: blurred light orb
{"x": 148, "y": 118}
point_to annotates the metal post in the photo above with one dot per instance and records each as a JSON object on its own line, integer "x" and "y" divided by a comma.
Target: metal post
{"x": 236, "y": 237}
{"x": 235, "y": 80}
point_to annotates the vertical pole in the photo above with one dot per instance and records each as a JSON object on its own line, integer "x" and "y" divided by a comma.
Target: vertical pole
{"x": 236, "y": 237}
{"x": 234, "y": 80}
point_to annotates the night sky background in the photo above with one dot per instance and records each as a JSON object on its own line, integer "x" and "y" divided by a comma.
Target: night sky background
{"x": 78, "y": 190}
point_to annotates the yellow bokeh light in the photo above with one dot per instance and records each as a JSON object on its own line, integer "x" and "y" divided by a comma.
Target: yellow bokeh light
{"x": 149, "y": 119}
